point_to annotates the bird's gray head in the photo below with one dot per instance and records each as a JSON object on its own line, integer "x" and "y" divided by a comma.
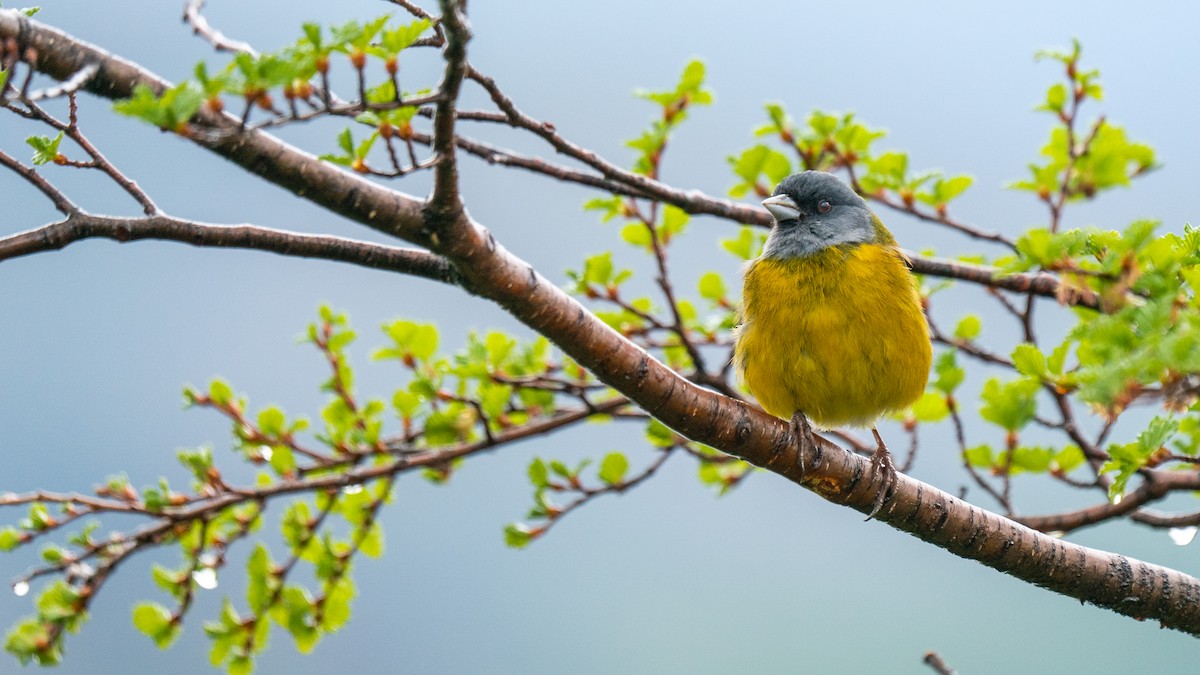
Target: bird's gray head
{"x": 814, "y": 210}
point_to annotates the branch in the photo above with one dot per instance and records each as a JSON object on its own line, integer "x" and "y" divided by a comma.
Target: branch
{"x": 908, "y": 207}
{"x": 503, "y": 157}
{"x": 446, "y": 201}
{"x": 71, "y": 130}
{"x": 69, "y": 86}
{"x": 1039, "y": 283}
{"x": 80, "y": 226}
{"x": 588, "y": 494}
{"x": 935, "y": 661}
{"x": 201, "y": 26}
{"x": 60, "y": 201}
{"x": 1157, "y": 485}
{"x": 1121, "y": 584}
{"x": 692, "y": 201}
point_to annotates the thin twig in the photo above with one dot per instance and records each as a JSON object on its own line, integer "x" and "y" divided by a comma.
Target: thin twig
{"x": 935, "y": 661}
{"x": 445, "y": 199}
{"x": 1155, "y": 486}
{"x": 69, "y": 86}
{"x": 201, "y": 26}
{"x": 60, "y": 200}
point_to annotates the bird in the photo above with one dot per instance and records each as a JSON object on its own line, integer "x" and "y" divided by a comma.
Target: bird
{"x": 832, "y": 328}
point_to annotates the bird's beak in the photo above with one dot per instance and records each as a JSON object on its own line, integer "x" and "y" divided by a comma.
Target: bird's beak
{"x": 782, "y": 207}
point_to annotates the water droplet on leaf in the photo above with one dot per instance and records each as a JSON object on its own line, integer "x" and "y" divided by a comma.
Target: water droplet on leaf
{"x": 206, "y": 578}
{"x": 1182, "y": 536}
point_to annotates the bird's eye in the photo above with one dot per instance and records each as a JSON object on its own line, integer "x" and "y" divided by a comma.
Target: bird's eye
{"x": 824, "y": 205}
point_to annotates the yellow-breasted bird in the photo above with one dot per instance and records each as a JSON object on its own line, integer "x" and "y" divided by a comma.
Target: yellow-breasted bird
{"x": 832, "y": 329}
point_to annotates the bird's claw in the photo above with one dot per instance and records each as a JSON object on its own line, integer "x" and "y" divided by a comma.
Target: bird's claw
{"x": 881, "y": 467}
{"x": 803, "y": 433}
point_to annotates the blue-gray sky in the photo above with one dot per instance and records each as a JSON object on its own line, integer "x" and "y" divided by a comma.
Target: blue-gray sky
{"x": 99, "y": 338}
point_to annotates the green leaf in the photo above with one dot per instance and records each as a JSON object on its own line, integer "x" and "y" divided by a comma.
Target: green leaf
{"x": 931, "y": 407}
{"x": 968, "y": 327}
{"x": 598, "y": 269}
{"x": 10, "y": 538}
{"x": 45, "y": 149}
{"x": 171, "y": 111}
{"x": 283, "y": 460}
{"x": 518, "y": 535}
{"x": 613, "y": 468}
{"x": 610, "y": 207}
{"x": 411, "y": 340}
{"x": 30, "y": 640}
{"x": 674, "y": 220}
{"x": 220, "y": 392}
{"x": 1069, "y": 458}
{"x": 1030, "y": 459}
{"x": 1126, "y": 459}
{"x": 155, "y": 621}
{"x": 949, "y": 189}
{"x": 171, "y": 581}
{"x": 781, "y": 123}
{"x": 271, "y": 422}
{"x": 712, "y": 287}
{"x": 1011, "y": 405}
{"x": 980, "y": 457}
{"x": 345, "y": 141}
{"x": 539, "y": 475}
{"x": 742, "y": 245}
{"x": 722, "y": 475}
{"x": 337, "y": 604}
{"x": 1157, "y": 434}
{"x": 53, "y": 554}
{"x": 61, "y": 602}
{"x": 887, "y": 171}
{"x": 949, "y": 374}
{"x": 559, "y": 469}
{"x": 1058, "y": 357}
{"x": 758, "y": 162}
{"x": 636, "y": 234}
{"x": 240, "y": 665}
{"x": 1056, "y": 96}
{"x": 1030, "y": 361}
{"x": 294, "y": 612}
{"x": 399, "y": 39}
{"x": 659, "y": 435}
{"x": 406, "y": 403}
{"x": 39, "y": 518}
{"x": 364, "y": 148}
{"x": 499, "y": 347}
{"x": 372, "y": 542}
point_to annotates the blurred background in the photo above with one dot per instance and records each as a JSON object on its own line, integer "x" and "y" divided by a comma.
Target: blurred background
{"x": 97, "y": 341}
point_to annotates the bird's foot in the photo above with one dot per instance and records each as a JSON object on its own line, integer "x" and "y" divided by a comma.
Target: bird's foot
{"x": 881, "y": 466}
{"x": 803, "y": 433}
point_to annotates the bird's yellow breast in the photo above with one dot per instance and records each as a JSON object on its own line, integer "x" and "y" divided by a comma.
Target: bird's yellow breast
{"x": 838, "y": 335}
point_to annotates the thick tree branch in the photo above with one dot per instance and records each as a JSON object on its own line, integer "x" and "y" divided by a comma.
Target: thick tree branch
{"x": 1108, "y": 580}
